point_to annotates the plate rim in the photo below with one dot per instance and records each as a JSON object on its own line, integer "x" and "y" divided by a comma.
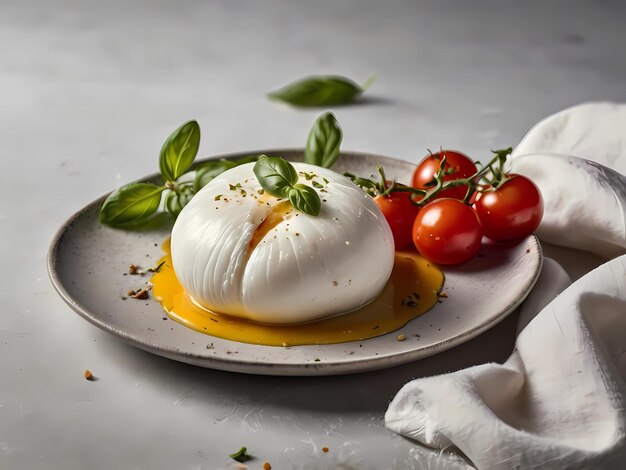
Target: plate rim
{"x": 345, "y": 366}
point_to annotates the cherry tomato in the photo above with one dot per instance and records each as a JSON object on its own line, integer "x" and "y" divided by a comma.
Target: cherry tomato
{"x": 447, "y": 231}
{"x": 512, "y": 211}
{"x": 461, "y": 164}
{"x": 400, "y": 213}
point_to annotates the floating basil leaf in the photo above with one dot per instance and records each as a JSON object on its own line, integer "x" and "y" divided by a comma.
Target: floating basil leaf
{"x": 174, "y": 202}
{"x": 275, "y": 175}
{"x": 305, "y": 199}
{"x": 179, "y": 151}
{"x": 319, "y": 90}
{"x": 131, "y": 204}
{"x": 322, "y": 146}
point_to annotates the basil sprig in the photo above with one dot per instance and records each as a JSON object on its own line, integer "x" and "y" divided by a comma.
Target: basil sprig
{"x": 324, "y": 141}
{"x": 320, "y": 90}
{"x": 276, "y": 176}
{"x": 279, "y": 178}
{"x": 135, "y": 205}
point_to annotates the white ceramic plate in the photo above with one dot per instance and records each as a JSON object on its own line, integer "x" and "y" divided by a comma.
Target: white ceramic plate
{"x": 87, "y": 262}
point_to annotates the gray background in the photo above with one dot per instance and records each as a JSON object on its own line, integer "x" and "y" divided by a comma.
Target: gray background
{"x": 88, "y": 92}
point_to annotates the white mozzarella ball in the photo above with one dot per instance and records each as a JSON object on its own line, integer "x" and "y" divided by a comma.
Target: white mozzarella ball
{"x": 305, "y": 268}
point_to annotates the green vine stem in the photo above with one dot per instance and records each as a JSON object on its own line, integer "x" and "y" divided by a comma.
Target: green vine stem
{"x": 421, "y": 197}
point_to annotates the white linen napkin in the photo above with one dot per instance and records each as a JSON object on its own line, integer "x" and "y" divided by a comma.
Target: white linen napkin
{"x": 559, "y": 400}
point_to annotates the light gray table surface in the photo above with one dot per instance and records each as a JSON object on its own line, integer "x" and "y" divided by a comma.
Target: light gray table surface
{"x": 89, "y": 90}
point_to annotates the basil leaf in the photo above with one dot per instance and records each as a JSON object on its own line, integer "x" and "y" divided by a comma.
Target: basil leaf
{"x": 322, "y": 146}
{"x": 318, "y": 90}
{"x": 174, "y": 202}
{"x": 179, "y": 151}
{"x": 131, "y": 204}
{"x": 207, "y": 171}
{"x": 275, "y": 175}
{"x": 157, "y": 221}
{"x": 305, "y": 199}
{"x": 248, "y": 159}
{"x": 241, "y": 455}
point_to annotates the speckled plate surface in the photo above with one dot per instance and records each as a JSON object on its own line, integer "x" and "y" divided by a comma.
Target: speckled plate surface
{"x": 87, "y": 262}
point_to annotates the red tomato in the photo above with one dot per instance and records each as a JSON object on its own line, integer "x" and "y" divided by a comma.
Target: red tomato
{"x": 512, "y": 211}
{"x": 400, "y": 213}
{"x": 447, "y": 231}
{"x": 463, "y": 166}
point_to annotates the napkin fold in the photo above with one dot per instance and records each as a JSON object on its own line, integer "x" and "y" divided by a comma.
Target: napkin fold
{"x": 585, "y": 202}
{"x": 593, "y": 131}
{"x": 559, "y": 400}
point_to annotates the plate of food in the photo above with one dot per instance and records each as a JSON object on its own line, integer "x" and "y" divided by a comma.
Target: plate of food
{"x": 270, "y": 262}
